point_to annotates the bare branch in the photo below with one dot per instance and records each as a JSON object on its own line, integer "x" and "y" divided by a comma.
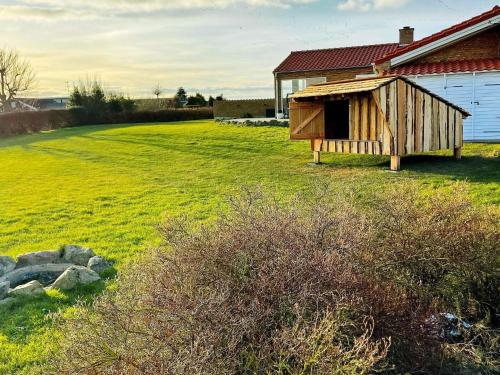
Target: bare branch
{"x": 16, "y": 76}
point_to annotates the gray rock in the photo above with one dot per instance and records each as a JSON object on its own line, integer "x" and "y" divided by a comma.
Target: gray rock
{"x": 6, "y": 301}
{"x": 39, "y": 257}
{"x": 98, "y": 264}
{"x": 45, "y": 273}
{"x": 7, "y": 264}
{"x": 32, "y": 288}
{"x": 4, "y": 289}
{"x": 77, "y": 254}
{"x": 73, "y": 276}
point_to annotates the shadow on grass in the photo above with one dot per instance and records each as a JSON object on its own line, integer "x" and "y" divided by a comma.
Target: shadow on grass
{"x": 22, "y": 317}
{"x": 474, "y": 168}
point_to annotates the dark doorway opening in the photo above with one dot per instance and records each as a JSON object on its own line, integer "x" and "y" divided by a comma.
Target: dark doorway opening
{"x": 337, "y": 119}
{"x": 270, "y": 112}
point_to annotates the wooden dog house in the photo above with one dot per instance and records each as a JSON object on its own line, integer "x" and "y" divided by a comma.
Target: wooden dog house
{"x": 377, "y": 116}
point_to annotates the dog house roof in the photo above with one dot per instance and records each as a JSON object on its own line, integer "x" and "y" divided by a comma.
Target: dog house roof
{"x": 361, "y": 85}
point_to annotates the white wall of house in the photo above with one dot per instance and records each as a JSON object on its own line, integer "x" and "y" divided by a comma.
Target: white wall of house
{"x": 477, "y": 92}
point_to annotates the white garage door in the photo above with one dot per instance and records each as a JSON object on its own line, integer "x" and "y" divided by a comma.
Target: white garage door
{"x": 487, "y": 106}
{"x": 478, "y": 94}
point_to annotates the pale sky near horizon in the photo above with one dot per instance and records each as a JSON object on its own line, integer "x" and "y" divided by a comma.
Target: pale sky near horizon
{"x": 209, "y": 46}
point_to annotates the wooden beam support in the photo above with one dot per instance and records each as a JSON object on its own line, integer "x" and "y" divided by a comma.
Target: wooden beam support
{"x": 317, "y": 157}
{"x": 395, "y": 163}
{"x": 457, "y": 153}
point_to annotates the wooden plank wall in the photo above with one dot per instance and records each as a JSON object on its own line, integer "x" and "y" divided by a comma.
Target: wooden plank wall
{"x": 299, "y": 112}
{"x": 418, "y": 121}
{"x": 364, "y": 119}
{"x": 348, "y": 146}
{"x": 403, "y": 118}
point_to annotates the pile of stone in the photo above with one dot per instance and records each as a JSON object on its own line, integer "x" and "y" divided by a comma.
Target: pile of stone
{"x": 35, "y": 273}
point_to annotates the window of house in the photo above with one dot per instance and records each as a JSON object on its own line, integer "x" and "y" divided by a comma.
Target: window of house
{"x": 291, "y": 86}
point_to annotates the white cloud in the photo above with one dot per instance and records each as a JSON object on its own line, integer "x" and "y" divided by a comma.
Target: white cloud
{"x": 77, "y": 9}
{"x": 366, "y": 5}
{"x": 135, "y": 6}
{"x": 25, "y": 12}
{"x": 16, "y": 12}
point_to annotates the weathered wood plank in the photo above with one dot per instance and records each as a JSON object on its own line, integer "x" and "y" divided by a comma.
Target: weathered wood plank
{"x": 370, "y": 148}
{"x": 395, "y": 163}
{"x": 427, "y": 136}
{"x": 392, "y": 106}
{"x": 317, "y": 157}
{"x": 387, "y": 137}
{"x": 385, "y": 127}
{"x": 410, "y": 119}
{"x": 419, "y": 121}
{"x": 373, "y": 121}
{"x": 356, "y": 119}
{"x": 365, "y": 118}
{"x": 383, "y": 133}
{"x": 459, "y": 140}
{"x": 451, "y": 127}
{"x": 443, "y": 124}
{"x": 435, "y": 124}
{"x": 401, "y": 121}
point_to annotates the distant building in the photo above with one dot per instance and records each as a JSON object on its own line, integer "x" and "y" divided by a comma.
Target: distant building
{"x": 38, "y": 104}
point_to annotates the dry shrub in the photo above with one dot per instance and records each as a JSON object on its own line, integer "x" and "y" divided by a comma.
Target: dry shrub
{"x": 440, "y": 246}
{"x": 326, "y": 347}
{"x": 301, "y": 287}
{"x": 479, "y": 351}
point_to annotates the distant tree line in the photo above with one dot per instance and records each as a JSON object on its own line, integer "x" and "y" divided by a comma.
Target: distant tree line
{"x": 182, "y": 99}
{"x": 91, "y": 101}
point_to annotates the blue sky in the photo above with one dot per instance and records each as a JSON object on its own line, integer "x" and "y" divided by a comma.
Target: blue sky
{"x": 211, "y": 46}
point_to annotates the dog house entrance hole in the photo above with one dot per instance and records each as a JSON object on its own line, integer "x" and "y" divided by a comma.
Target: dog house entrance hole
{"x": 337, "y": 119}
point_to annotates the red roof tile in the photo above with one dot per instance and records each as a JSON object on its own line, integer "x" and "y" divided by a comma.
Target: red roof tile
{"x": 334, "y": 58}
{"x": 495, "y": 11}
{"x": 447, "y": 67}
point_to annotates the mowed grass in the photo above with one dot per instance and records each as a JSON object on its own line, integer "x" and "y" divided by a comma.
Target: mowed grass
{"x": 108, "y": 187}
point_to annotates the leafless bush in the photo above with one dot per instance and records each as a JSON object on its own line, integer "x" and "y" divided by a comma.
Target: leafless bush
{"x": 441, "y": 246}
{"x": 479, "y": 350}
{"x": 308, "y": 286}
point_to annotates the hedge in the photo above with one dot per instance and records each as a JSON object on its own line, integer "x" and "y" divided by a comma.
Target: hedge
{"x": 31, "y": 122}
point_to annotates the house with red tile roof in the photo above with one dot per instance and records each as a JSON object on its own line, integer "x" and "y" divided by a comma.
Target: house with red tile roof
{"x": 304, "y": 68}
{"x": 460, "y": 63}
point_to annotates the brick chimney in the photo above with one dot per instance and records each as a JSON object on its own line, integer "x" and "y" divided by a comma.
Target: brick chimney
{"x": 406, "y": 35}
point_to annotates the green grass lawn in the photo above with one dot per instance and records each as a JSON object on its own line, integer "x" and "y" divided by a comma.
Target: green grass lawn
{"x": 107, "y": 187}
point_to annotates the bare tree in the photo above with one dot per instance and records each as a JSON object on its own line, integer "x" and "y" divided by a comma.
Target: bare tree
{"x": 157, "y": 91}
{"x": 16, "y": 76}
